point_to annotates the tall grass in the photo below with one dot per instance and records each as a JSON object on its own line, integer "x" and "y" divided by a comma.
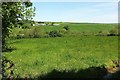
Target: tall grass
{"x": 36, "y": 56}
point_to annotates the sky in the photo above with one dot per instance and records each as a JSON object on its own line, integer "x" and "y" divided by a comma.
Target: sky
{"x": 75, "y": 0}
{"x": 93, "y": 12}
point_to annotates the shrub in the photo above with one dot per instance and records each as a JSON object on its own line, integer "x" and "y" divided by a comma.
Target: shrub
{"x": 102, "y": 33}
{"x": 19, "y": 36}
{"x": 63, "y": 31}
{"x": 25, "y": 27}
{"x": 113, "y": 32}
{"x": 66, "y": 27}
{"x": 55, "y": 34}
{"x": 37, "y": 32}
{"x": 7, "y": 68}
{"x": 30, "y": 33}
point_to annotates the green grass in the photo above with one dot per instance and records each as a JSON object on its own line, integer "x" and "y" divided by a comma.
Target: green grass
{"x": 73, "y": 51}
{"x": 91, "y": 27}
{"x": 39, "y": 56}
{"x": 75, "y": 28}
{"x": 82, "y": 27}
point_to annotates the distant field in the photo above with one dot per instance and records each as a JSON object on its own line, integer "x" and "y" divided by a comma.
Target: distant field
{"x": 74, "y": 28}
{"x": 89, "y": 27}
{"x": 83, "y": 27}
{"x": 34, "y": 57}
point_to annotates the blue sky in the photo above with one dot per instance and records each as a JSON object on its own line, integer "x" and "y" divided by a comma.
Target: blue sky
{"x": 75, "y": 0}
{"x": 98, "y": 12}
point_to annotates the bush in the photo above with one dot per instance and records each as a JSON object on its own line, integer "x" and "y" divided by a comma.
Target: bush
{"x": 102, "y": 33}
{"x": 55, "y": 34}
{"x": 113, "y": 32}
{"x": 37, "y": 32}
{"x": 19, "y": 36}
{"x": 7, "y": 68}
{"x": 63, "y": 31}
{"x": 29, "y": 33}
{"x": 66, "y": 27}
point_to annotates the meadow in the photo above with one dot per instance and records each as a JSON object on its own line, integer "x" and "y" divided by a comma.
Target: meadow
{"x": 73, "y": 51}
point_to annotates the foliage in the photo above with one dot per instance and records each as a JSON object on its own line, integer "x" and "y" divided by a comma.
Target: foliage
{"x": 102, "y": 33}
{"x": 29, "y": 33}
{"x": 8, "y": 69}
{"x": 12, "y": 13}
{"x": 26, "y": 24}
{"x": 113, "y": 32}
{"x": 55, "y": 34}
{"x": 19, "y": 36}
{"x": 37, "y": 32}
{"x": 66, "y": 27}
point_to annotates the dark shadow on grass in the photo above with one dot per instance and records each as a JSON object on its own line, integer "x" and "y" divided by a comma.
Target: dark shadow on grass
{"x": 92, "y": 72}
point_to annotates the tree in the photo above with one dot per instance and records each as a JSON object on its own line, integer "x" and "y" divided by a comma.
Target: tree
{"x": 12, "y": 14}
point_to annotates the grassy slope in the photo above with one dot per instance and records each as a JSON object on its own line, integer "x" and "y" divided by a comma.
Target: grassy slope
{"x": 39, "y": 56}
{"x": 91, "y": 27}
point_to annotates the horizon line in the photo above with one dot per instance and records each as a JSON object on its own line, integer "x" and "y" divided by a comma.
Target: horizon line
{"x": 75, "y": 22}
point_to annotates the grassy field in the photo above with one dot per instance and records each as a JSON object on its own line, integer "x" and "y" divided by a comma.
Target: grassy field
{"x": 82, "y": 27}
{"x": 89, "y": 27}
{"x": 38, "y": 56}
{"x": 74, "y": 28}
